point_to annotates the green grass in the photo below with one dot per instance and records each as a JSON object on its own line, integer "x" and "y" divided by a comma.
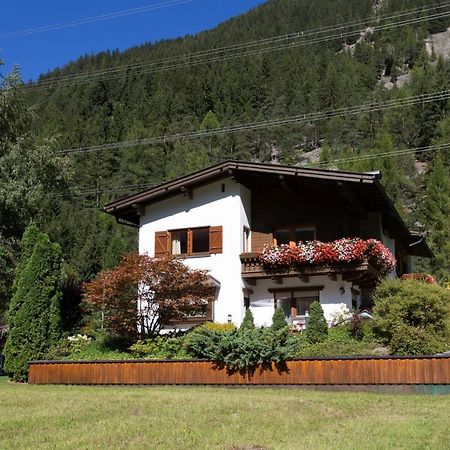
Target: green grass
{"x": 75, "y": 417}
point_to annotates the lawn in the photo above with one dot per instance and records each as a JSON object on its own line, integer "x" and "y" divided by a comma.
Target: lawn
{"x": 74, "y": 417}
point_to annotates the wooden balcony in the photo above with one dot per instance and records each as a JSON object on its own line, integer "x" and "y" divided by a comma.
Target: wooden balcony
{"x": 361, "y": 274}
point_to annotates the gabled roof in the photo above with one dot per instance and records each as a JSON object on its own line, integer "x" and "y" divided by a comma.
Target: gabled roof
{"x": 365, "y": 187}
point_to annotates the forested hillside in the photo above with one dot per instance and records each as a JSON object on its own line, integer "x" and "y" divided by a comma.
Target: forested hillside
{"x": 114, "y": 96}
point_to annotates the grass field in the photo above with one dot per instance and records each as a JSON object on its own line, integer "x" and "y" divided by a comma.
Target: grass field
{"x": 71, "y": 417}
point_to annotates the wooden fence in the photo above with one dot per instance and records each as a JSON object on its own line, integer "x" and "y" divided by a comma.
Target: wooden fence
{"x": 433, "y": 370}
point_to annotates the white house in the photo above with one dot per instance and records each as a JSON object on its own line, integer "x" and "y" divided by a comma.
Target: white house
{"x": 219, "y": 219}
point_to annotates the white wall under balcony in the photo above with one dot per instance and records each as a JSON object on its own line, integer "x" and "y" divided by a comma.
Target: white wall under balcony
{"x": 223, "y": 203}
{"x": 262, "y": 302}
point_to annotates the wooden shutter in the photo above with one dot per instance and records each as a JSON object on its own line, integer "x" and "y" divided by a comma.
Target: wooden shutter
{"x": 215, "y": 239}
{"x": 161, "y": 244}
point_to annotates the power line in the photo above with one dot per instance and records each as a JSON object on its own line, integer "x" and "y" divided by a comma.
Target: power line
{"x": 87, "y": 20}
{"x": 382, "y": 155}
{"x": 292, "y": 40}
{"x": 311, "y": 117}
{"x": 446, "y": 146}
{"x": 100, "y": 190}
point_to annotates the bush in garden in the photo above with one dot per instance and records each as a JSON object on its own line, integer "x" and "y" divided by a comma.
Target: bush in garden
{"x": 408, "y": 340}
{"x": 244, "y": 351}
{"x": 278, "y": 320}
{"x": 339, "y": 342}
{"x": 34, "y": 314}
{"x": 161, "y": 347}
{"x": 240, "y": 350}
{"x": 203, "y": 342}
{"x": 248, "y": 322}
{"x": 410, "y": 316}
{"x": 356, "y": 326}
{"x": 317, "y": 329}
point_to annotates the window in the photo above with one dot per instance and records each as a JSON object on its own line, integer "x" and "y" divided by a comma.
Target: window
{"x": 188, "y": 242}
{"x": 200, "y": 240}
{"x": 293, "y": 235}
{"x": 179, "y": 242}
{"x": 295, "y": 301}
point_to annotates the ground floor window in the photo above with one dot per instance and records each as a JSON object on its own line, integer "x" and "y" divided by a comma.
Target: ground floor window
{"x": 295, "y": 302}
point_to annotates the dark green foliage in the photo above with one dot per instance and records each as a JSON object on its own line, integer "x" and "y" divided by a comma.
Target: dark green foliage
{"x": 339, "y": 342}
{"x": 295, "y": 81}
{"x": 247, "y": 323}
{"x": 436, "y": 212}
{"x": 407, "y": 340}
{"x": 6, "y": 278}
{"x": 71, "y": 310}
{"x": 204, "y": 341}
{"x": 240, "y": 350}
{"x": 278, "y": 320}
{"x": 356, "y": 326}
{"x": 34, "y": 313}
{"x": 410, "y": 316}
{"x": 317, "y": 329}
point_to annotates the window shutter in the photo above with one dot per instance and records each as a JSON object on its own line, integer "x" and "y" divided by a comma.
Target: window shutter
{"x": 161, "y": 244}
{"x": 215, "y": 240}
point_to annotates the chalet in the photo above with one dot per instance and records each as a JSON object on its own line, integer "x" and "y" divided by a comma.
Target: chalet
{"x": 220, "y": 219}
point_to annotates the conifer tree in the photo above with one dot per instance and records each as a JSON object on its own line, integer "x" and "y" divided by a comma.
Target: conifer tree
{"x": 436, "y": 211}
{"x": 248, "y": 322}
{"x": 278, "y": 320}
{"x": 34, "y": 313}
{"x": 317, "y": 329}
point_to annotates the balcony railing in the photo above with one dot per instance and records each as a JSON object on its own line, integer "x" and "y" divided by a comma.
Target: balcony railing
{"x": 360, "y": 273}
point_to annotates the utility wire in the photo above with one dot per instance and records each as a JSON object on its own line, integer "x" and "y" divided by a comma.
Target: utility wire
{"x": 384, "y": 154}
{"x": 87, "y": 20}
{"x": 311, "y": 117}
{"x": 134, "y": 187}
{"x": 239, "y": 50}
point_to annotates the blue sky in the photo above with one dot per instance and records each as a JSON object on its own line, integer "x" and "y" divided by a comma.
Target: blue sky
{"x": 40, "y": 52}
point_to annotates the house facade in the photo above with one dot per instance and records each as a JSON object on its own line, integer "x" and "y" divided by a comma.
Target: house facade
{"x": 219, "y": 219}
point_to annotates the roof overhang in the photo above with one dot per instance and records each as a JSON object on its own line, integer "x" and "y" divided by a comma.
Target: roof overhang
{"x": 366, "y": 187}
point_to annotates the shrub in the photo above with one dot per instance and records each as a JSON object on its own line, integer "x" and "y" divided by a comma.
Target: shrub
{"x": 317, "y": 329}
{"x": 408, "y": 340}
{"x": 410, "y": 316}
{"x": 278, "y": 320}
{"x": 203, "y": 342}
{"x": 161, "y": 347}
{"x": 240, "y": 350}
{"x": 248, "y": 322}
{"x": 356, "y": 326}
{"x": 243, "y": 351}
{"x": 339, "y": 342}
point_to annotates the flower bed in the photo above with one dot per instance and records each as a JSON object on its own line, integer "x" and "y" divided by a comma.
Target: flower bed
{"x": 342, "y": 251}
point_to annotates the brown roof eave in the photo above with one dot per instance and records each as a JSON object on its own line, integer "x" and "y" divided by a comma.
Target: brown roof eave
{"x": 227, "y": 169}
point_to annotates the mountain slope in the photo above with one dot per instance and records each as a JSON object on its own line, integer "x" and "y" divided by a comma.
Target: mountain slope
{"x": 294, "y": 81}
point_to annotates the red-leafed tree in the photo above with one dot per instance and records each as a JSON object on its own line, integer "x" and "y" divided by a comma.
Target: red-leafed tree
{"x": 142, "y": 294}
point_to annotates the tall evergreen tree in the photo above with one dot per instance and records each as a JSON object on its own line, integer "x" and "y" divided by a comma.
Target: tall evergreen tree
{"x": 34, "y": 313}
{"x": 436, "y": 212}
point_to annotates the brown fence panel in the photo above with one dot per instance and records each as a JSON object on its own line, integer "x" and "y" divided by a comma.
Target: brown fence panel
{"x": 325, "y": 371}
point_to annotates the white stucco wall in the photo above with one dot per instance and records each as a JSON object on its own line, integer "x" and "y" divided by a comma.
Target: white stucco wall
{"x": 208, "y": 207}
{"x": 262, "y": 303}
